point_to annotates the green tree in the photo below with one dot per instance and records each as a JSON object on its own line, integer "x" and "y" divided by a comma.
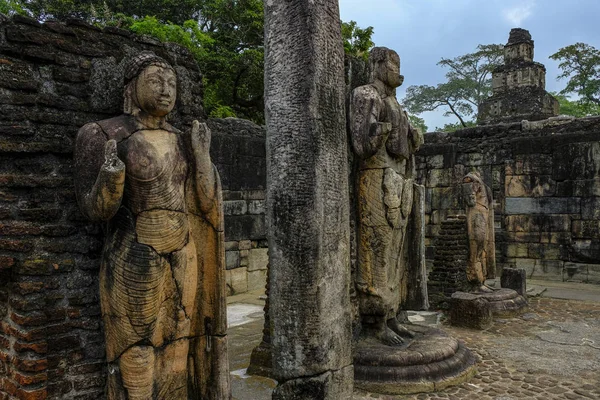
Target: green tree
{"x": 357, "y": 41}
{"x": 576, "y": 108}
{"x": 418, "y": 123}
{"x": 174, "y": 11}
{"x": 11, "y": 7}
{"x": 468, "y": 83}
{"x": 580, "y": 63}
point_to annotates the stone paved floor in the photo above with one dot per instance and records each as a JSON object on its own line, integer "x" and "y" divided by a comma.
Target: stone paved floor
{"x": 551, "y": 352}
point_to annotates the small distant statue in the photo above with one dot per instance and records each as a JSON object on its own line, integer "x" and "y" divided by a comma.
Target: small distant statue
{"x": 162, "y": 288}
{"x": 385, "y": 144}
{"x": 481, "y": 264}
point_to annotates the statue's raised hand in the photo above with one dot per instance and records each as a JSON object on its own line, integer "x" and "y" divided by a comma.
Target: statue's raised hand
{"x": 112, "y": 163}
{"x": 200, "y": 138}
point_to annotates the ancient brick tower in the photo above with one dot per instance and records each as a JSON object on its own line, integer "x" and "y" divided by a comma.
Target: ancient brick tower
{"x": 519, "y": 86}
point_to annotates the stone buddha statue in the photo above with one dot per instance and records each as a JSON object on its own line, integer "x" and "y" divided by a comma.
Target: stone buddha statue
{"x": 481, "y": 264}
{"x": 384, "y": 143}
{"x": 162, "y": 286}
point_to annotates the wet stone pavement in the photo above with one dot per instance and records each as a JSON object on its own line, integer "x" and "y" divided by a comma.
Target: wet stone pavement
{"x": 550, "y": 352}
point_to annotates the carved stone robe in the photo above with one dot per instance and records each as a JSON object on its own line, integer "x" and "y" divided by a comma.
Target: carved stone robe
{"x": 162, "y": 270}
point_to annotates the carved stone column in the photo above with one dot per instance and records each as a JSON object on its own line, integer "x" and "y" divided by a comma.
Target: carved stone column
{"x": 307, "y": 200}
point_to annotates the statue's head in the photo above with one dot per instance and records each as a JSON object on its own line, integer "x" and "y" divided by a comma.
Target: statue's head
{"x": 473, "y": 188}
{"x": 150, "y": 85}
{"x": 385, "y": 66}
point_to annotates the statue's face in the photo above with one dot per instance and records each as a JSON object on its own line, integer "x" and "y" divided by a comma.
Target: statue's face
{"x": 389, "y": 71}
{"x": 470, "y": 188}
{"x": 156, "y": 90}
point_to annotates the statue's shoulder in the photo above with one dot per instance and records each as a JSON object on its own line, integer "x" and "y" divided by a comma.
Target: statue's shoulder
{"x": 118, "y": 128}
{"x": 366, "y": 91}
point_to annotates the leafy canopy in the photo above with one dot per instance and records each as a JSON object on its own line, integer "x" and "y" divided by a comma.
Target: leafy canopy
{"x": 357, "y": 41}
{"x": 580, "y": 64}
{"x": 468, "y": 83}
{"x": 577, "y": 108}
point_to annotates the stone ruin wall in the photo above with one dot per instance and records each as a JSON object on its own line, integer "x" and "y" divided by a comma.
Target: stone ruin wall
{"x": 546, "y": 186}
{"x": 54, "y": 78}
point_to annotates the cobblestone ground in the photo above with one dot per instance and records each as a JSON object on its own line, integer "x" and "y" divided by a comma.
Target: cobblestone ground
{"x": 551, "y": 352}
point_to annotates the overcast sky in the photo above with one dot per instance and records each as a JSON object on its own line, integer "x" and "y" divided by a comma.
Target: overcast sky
{"x": 424, "y": 31}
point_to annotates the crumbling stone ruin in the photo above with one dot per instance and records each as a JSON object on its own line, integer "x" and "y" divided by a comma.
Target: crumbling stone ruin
{"x": 519, "y": 86}
{"x": 544, "y": 179}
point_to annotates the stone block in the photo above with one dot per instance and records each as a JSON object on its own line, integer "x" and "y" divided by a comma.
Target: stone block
{"x": 439, "y": 178}
{"x": 470, "y": 311}
{"x": 546, "y": 205}
{"x": 237, "y": 280}
{"x": 470, "y": 159}
{"x": 590, "y": 208}
{"x": 586, "y": 187}
{"x": 256, "y": 207}
{"x": 328, "y": 385}
{"x": 257, "y": 279}
{"x": 245, "y": 244}
{"x": 240, "y": 227}
{"x": 515, "y": 279}
{"x": 258, "y": 259}
{"x": 231, "y": 246}
{"x": 235, "y": 207}
{"x": 585, "y": 229}
{"x": 517, "y": 250}
{"x": 529, "y": 185}
{"x": 538, "y": 223}
{"x": 551, "y": 270}
{"x": 435, "y": 162}
{"x": 232, "y": 259}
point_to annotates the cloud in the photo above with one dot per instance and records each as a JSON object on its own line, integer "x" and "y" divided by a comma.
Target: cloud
{"x": 519, "y": 13}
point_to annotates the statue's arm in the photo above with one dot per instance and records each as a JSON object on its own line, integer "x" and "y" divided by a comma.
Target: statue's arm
{"x": 368, "y": 133}
{"x": 206, "y": 175}
{"x": 99, "y": 174}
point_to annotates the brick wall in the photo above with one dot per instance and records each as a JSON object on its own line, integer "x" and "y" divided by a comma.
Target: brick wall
{"x": 546, "y": 185}
{"x": 54, "y": 78}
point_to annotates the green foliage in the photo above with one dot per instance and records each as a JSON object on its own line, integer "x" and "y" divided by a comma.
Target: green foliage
{"x": 455, "y": 126}
{"x": 357, "y": 41}
{"x": 418, "y": 123}
{"x": 580, "y": 63}
{"x": 578, "y": 108}
{"x": 175, "y": 11}
{"x": 469, "y": 82}
{"x": 12, "y": 7}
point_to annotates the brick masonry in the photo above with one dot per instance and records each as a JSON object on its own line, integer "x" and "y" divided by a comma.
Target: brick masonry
{"x": 546, "y": 186}
{"x": 54, "y": 78}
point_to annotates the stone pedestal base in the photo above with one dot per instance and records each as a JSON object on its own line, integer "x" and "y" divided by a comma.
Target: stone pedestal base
{"x": 431, "y": 361}
{"x": 474, "y": 310}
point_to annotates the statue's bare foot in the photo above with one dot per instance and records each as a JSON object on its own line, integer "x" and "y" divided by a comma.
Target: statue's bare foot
{"x": 398, "y": 328}
{"x": 389, "y": 337}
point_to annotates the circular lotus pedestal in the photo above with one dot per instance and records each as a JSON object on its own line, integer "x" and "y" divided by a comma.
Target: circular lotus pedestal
{"x": 431, "y": 361}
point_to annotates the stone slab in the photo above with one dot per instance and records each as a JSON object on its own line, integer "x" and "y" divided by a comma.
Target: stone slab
{"x": 542, "y": 205}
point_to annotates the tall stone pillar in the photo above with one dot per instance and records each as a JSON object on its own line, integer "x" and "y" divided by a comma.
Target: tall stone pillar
{"x": 307, "y": 200}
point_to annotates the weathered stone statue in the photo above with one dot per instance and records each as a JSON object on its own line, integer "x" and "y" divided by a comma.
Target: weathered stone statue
{"x": 162, "y": 271}
{"x": 481, "y": 264}
{"x": 390, "y": 269}
{"x": 385, "y": 143}
{"x": 477, "y": 307}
